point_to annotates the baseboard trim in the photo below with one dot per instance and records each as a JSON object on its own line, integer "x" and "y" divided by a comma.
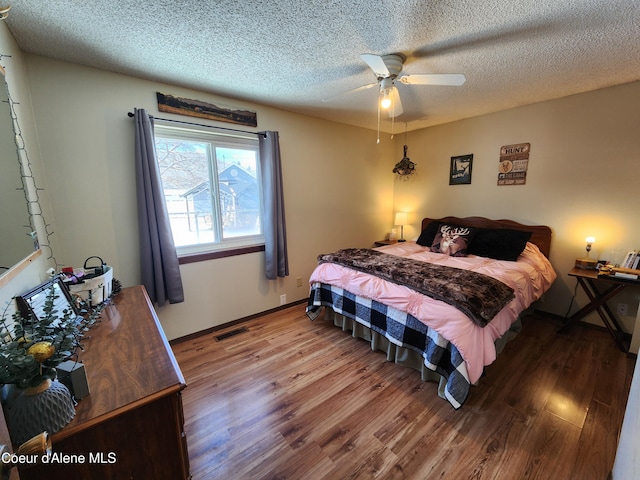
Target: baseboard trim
{"x": 193, "y": 336}
{"x": 555, "y": 316}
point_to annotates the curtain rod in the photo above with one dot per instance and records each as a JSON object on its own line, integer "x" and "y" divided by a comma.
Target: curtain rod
{"x": 130, "y": 114}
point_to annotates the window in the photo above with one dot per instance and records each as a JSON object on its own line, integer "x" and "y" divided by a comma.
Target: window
{"x": 211, "y": 185}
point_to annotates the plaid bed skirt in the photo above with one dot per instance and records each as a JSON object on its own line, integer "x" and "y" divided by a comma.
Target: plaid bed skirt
{"x": 401, "y": 329}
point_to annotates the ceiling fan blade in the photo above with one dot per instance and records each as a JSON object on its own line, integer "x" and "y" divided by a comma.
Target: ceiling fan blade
{"x": 353, "y": 90}
{"x": 376, "y": 63}
{"x": 396, "y": 105}
{"x": 452, "y": 79}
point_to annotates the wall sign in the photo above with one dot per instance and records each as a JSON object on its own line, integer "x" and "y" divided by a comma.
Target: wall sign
{"x": 514, "y": 161}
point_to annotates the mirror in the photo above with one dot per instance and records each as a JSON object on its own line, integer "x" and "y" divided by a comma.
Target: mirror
{"x": 15, "y": 239}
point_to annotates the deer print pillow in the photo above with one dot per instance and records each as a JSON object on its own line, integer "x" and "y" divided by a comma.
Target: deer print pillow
{"x": 453, "y": 240}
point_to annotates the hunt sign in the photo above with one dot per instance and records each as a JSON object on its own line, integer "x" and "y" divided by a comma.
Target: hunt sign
{"x": 513, "y": 164}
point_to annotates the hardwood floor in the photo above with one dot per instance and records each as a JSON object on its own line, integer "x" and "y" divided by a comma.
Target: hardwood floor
{"x": 296, "y": 399}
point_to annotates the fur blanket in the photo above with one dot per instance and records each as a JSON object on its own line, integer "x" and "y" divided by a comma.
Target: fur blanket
{"x": 477, "y": 295}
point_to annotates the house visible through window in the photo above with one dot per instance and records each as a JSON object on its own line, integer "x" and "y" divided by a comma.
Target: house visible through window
{"x": 211, "y": 186}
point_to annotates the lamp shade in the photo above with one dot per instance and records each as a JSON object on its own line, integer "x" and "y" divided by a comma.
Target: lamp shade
{"x": 401, "y": 218}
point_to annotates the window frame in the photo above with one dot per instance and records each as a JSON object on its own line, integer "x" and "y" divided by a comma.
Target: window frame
{"x": 216, "y": 138}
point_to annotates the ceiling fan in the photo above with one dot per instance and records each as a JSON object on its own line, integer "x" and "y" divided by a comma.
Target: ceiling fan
{"x": 388, "y": 69}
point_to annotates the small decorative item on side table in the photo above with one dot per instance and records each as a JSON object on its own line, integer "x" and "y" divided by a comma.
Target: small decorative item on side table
{"x": 621, "y": 273}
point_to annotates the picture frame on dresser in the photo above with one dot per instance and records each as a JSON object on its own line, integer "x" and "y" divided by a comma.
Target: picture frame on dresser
{"x": 31, "y": 304}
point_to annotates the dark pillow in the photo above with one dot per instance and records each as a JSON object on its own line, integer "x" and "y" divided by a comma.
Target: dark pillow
{"x": 452, "y": 240}
{"x": 499, "y": 243}
{"x": 428, "y": 234}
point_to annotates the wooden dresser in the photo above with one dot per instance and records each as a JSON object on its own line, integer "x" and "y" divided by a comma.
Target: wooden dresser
{"x": 6, "y": 441}
{"x": 130, "y": 426}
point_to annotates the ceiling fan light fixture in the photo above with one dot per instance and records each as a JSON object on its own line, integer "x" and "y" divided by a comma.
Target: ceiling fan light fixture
{"x": 388, "y": 68}
{"x": 386, "y": 92}
{"x": 385, "y": 102}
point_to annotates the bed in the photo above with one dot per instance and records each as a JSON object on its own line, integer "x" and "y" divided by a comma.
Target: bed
{"x": 444, "y": 304}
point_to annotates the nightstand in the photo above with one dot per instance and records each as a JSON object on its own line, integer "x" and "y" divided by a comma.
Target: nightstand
{"x": 382, "y": 243}
{"x": 588, "y": 280}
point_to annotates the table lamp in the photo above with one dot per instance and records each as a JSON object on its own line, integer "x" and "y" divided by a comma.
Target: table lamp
{"x": 587, "y": 263}
{"x": 401, "y": 219}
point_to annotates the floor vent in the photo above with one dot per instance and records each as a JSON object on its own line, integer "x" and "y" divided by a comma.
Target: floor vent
{"x": 231, "y": 333}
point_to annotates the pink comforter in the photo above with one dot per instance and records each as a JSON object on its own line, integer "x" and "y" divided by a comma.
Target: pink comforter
{"x": 530, "y": 277}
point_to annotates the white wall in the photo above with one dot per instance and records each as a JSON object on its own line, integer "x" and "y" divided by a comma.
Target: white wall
{"x": 583, "y": 178}
{"x": 17, "y": 81}
{"x": 338, "y": 189}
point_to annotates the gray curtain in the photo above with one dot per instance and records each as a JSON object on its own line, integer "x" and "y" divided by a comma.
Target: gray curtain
{"x": 158, "y": 258}
{"x": 275, "y": 232}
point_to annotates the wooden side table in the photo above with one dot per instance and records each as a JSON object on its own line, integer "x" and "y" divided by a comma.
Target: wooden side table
{"x": 382, "y": 243}
{"x": 589, "y": 280}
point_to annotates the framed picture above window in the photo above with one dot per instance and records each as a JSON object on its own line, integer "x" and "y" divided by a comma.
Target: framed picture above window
{"x": 460, "y": 171}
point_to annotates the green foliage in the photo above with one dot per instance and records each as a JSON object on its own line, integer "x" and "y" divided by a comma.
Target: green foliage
{"x": 62, "y": 331}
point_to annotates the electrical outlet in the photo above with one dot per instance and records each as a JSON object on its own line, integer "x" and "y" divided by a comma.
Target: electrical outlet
{"x": 299, "y": 281}
{"x": 283, "y": 299}
{"x": 623, "y": 309}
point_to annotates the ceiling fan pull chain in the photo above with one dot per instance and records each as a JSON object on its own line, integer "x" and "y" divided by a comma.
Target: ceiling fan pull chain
{"x": 393, "y": 119}
{"x": 378, "y": 141}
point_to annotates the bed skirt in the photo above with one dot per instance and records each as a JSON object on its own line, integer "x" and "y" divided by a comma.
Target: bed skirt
{"x": 405, "y": 356}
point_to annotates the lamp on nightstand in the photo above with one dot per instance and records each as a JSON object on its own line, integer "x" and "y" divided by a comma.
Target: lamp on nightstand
{"x": 401, "y": 219}
{"x": 587, "y": 263}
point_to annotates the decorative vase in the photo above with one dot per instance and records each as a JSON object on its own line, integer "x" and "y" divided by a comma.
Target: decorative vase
{"x": 45, "y": 408}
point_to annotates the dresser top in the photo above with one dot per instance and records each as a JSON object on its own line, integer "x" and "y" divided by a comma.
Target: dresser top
{"x": 127, "y": 359}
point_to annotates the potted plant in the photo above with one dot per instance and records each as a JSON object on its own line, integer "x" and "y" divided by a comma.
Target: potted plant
{"x": 30, "y": 350}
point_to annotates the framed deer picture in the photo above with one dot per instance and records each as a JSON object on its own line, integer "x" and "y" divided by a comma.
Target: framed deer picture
{"x": 460, "y": 172}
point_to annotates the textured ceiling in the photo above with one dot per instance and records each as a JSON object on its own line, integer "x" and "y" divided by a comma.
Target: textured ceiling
{"x": 296, "y": 53}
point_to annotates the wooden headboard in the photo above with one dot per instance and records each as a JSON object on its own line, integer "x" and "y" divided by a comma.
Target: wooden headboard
{"x": 541, "y": 234}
